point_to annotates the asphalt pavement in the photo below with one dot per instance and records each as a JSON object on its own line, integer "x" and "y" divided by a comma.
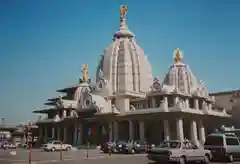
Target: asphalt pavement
{"x": 93, "y": 156}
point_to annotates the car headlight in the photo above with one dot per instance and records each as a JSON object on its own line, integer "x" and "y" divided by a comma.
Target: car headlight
{"x": 169, "y": 153}
{"x": 138, "y": 145}
{"x": 120, "y": 146}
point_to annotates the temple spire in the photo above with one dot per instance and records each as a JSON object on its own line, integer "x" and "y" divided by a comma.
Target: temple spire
{"x": 178, "y": 55}
{"x": 85, "y": 74}
{"x": 123, "y": 30}
{"x": 123, "y": 15}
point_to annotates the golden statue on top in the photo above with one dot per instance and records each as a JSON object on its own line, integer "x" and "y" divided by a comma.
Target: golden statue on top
{"x": 178, "y": 55}
{"x": 123, "y": 11}
{"x": 85, "y": 73}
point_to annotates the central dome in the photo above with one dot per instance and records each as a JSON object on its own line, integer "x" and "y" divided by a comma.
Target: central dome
{"x": 124, "y": 65}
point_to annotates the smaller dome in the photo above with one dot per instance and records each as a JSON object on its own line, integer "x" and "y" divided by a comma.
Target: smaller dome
{"x": 180, "y": 76}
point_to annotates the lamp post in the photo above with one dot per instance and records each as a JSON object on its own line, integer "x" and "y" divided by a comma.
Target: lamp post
{"x": 27, "y": 130}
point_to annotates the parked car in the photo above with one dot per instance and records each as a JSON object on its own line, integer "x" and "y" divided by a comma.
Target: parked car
{"x": 224, "y": 146}
{"x": 136, "y": 146}
{"x": 12, "y": 146}
{"x": 111, "y": 146}
{"x": 56, "y": 145}
{"x": 4, "y": 145}
{"x": 179, "y": 151}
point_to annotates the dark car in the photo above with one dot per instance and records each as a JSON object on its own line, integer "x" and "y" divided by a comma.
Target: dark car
{"x": 109, "y": 146}
{"x": 136, "y": 146}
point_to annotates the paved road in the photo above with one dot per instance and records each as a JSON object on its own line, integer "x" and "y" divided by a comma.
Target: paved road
{"x": 72, "y": 157}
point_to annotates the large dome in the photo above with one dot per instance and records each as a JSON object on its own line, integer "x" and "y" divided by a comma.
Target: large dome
{"x": 180, "y": 77}
{"x": 124, "y": 64}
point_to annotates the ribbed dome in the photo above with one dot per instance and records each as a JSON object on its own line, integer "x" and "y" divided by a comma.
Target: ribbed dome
{"x": 124, "y": 64}
{"x": 181, "y": 77}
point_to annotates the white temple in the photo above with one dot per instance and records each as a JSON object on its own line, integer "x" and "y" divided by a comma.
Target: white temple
{"x": 127, "y": 103}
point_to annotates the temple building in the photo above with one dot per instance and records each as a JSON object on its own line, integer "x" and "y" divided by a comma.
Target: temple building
{"x": 126, "y": 102}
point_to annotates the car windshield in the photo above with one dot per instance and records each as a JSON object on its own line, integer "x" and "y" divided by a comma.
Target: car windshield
{"x": 170, "y": 144}
{"x": 214, "y": 141}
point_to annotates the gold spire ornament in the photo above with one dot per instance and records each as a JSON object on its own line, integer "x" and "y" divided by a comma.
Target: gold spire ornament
{"x": 123, "y": 11}
{"x": 178, "y": 55}
{"x": 85, "y": 73}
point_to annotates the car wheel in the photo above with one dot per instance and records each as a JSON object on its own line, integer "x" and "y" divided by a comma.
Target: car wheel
{"x": 206, "y": 159}
{"x": 53, "y": 149}
{"x": 68, "y": 148}
{"x": 230, "y": 158}
{"x": 182, "y": 160}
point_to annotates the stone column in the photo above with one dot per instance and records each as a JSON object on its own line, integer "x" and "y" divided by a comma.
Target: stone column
{"x": 164, "y": 104}
{"x": 187, "y": 103}
{"x": 153, "y": 102}
{"x": 142, "y": 131}
{"x": 64, "y": 113}
{"x": 115, "y": 130}
{"x": 175, "y": 100}
{"x": 110, "y": 131}
{"x": 58, "y": 133}
{"x": 65, "y": 134}
{"x": 46, "y": 133}
{"x": 75, "y": 135}
{"x": 196, "y": 103}
{"x": 194, "y": 136}
{"x": 179, "y": 127}
{"x": 53, "y": 133}
{"x": 71, "y": 113}
{"x": 40, "y": 132}
{"x": 166, "y": 130}
{"x": 210, "y": 106}
{"x": 131, "y": 135}
{"x": 202, "y": 135}
{"x": 80, "y": 134}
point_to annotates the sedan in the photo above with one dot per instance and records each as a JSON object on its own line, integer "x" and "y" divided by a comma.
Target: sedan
{"x": 180, "y": 152}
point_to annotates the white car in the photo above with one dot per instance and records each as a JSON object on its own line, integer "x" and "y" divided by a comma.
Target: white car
{"x": 56, "y": 145}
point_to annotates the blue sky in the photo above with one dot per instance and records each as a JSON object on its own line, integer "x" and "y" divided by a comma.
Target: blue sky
{"x": 44, "y": 43}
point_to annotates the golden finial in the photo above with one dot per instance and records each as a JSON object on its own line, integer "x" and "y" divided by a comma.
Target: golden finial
{"x": 123, "y": 11}
{"x": 178, "y": 55}
{"x": 85, "y": 73}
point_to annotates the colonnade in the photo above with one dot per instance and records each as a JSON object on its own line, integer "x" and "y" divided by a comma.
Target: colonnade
{"x": 197, "y": 131}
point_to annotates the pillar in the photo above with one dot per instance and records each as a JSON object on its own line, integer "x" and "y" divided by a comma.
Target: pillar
{"x": 71, "y": 113}
{"x": 202, "y": 135}
{"x": 187, "y": 103}
{"x": 175, "y": 100}
{"x": 153, "y": 102}
{"x": 58, "y": 133}
{"x": 115, "y": 130}
{"x": 210, "y": 106}
{"x": 64, "y": 113}
{"x": 64, "y": 134}
{"x": 80, "y": 134}
{"x": 40, "y": 132}
{"x": 166, "y": 129}
{"x": 194, "y": 136}
{"x": 53, "y": 132}
{"x": 46, "y": 133}
{"x": 131, "y": 135}
{"x": 196, "y": 103}
{"x": 110, "y": 131}
{"x": 75, "y": 135}
{"x": 142, "y": 131}
{"x": 179, "y": 127}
